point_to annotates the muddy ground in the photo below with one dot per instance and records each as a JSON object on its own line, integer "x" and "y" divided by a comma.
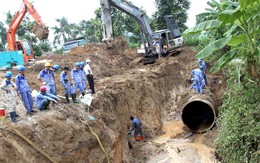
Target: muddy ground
{"x": 155, "y": 93}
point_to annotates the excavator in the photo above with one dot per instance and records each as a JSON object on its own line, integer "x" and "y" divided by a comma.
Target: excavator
{"x": 170, "y": 37}
{"x": 16, "y": 47}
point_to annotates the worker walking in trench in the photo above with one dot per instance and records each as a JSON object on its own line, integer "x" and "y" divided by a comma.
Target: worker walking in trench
{"x": 64, "y": 80}
{"x": 83, "y": 75}
{"x": 10, "y": 88}
{"x": 90, "y": 77}
{"x": 46, "y": 77}
{"x": 137, "y": 127}
{"x": 43, "y": 99}
{"x": 24, "y": 90}
{"x": 198, "y": 80}
{"x": 76, "y": 76}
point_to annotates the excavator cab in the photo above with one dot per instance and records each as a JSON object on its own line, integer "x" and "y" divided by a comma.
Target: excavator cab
{"x": 26, "y": 49}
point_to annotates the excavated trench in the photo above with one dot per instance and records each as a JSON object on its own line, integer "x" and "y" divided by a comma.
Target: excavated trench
{"x": 155, "y": 93}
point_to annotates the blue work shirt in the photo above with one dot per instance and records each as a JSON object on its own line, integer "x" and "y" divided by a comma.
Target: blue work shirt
{"x": 136, "y": 123}
{"x": 40, "y": 96}
{"x": 203, "y": 64}
{"x": 64, "y": 79}
{"x": 83, "y": 75}
{"x": 197, "y": 74}
{"x": 47, "y": 76}
{"x": 76, "y": 75}
{"x": 21, "y": 83}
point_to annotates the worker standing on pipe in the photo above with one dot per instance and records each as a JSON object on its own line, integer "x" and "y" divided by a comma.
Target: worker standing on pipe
{"x": 198, "y": 79}
{"x": 10, "y": 88}
{"x": 77, "y": 81}
{"x": 203, "y": 68}
{"x": 43, "y": 99}
{"x": 46, "y": 77}
{"x": 24, "y": 90}
{"x": 90, "y": 77}
{"x": 66, "y": 83}
{"x": 83, "y": 75}
{"x": 137, "y": 126}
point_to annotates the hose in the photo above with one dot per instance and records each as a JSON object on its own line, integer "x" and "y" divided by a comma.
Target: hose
{"x": 27, "y": 140}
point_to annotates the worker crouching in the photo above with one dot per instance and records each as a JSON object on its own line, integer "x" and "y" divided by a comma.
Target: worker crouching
{"x": 43, "y": 99}
{"x": 10, "y": 88}
{"x": 64, "y": 80}
{"x": 137, "y": 127}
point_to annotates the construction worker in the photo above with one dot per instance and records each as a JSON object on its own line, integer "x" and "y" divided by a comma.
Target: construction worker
{"x": 137, "y": 126}
{"x": 198, "y": 79}
{"x": 24, "y": 90}
{"x": 55, "y": 68}
{"x": 43, "y": 99}
{"x": 83, "y": 75}
{"x": 10, "y": 88}
{"x": 66, "y": 83}
{"x": 76, "y": 76}
{"x": 202, "y": 64}
{"x": 89, "y": 74}
{"x": 46, "y": 76}
{"x": 164, "y": 51}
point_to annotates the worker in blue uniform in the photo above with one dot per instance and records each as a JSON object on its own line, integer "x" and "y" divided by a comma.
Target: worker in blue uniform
{"x": 198, "y": 79}
{"x": 46, "y": 76}
{"x": 203, "y": 68}
{"x": 43, "y": 99}
{"x": 137, "y": 127}
{"x": 24, "y": 90}
{"x": 64, "y": 80}
{"x": 83, "y": 75}
{"x": 76, "y": 76}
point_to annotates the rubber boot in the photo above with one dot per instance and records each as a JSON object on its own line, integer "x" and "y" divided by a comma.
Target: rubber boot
{"x": 137, "y": 138}
{"x": 142, "y": 137}
{"x": 16, "y": 115}
{"x": 74, "y": 98}
{"x": 67, "y": 98}
{"x": 83, "y": 94}
{"x": 13, "y": 118}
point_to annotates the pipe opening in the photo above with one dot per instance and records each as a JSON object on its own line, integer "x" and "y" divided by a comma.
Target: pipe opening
{"x": 198, "y": 116}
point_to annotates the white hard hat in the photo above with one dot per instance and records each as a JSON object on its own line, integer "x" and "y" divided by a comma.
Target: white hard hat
{"x": 88, "y": 60}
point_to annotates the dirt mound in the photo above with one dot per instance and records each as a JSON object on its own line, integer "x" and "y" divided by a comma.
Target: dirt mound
{"x": 40, "y": 32}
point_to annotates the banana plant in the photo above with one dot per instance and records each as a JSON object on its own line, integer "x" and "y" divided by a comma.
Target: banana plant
{"x": 242, "y": 35}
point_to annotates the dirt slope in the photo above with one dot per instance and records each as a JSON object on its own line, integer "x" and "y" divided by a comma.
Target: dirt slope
{"x": 155, "y": 93}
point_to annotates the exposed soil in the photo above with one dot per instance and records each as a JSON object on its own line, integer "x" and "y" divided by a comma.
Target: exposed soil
{"x": 155, "y": 93}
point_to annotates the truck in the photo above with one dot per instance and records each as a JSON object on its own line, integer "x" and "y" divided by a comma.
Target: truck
{"x": 67, "y": 46}
{"x": 170, "y": 37}
{"x": 18, "y": 48}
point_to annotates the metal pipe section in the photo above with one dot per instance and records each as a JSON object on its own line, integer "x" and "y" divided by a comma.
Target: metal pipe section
{"x": 198, "y": 114}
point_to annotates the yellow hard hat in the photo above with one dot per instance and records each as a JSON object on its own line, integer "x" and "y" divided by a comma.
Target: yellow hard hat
{"x": 165, "y": 47}
{"x": 47, "y": 64}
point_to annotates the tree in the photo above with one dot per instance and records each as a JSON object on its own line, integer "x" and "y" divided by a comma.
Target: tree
{"x": 241, "y": 35}
{"x": 64, "y": 31}
{"x": 177, "y": 8}
{"x": 2, "y": 36}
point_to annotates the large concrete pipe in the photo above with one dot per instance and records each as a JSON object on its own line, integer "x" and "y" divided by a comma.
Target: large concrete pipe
{"x": 198, "y": 113}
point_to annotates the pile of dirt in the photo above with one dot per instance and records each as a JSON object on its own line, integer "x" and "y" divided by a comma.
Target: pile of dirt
{"x": 40, "y": 32}
{"x": 155, "y": 93}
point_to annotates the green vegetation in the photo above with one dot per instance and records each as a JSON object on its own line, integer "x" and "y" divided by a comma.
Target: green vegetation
{"x": 233, "y": 32}
{"x": 239, "y": 122}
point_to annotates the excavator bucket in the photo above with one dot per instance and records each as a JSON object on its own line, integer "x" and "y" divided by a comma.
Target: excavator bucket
{"x": 40, "y": 32}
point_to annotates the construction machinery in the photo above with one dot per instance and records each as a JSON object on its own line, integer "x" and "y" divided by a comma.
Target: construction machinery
{"x": 16, "y": 47}
{"x": 170, "y": 37}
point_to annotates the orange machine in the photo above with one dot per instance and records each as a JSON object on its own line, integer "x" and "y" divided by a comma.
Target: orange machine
{"x": 40, "y": 30}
